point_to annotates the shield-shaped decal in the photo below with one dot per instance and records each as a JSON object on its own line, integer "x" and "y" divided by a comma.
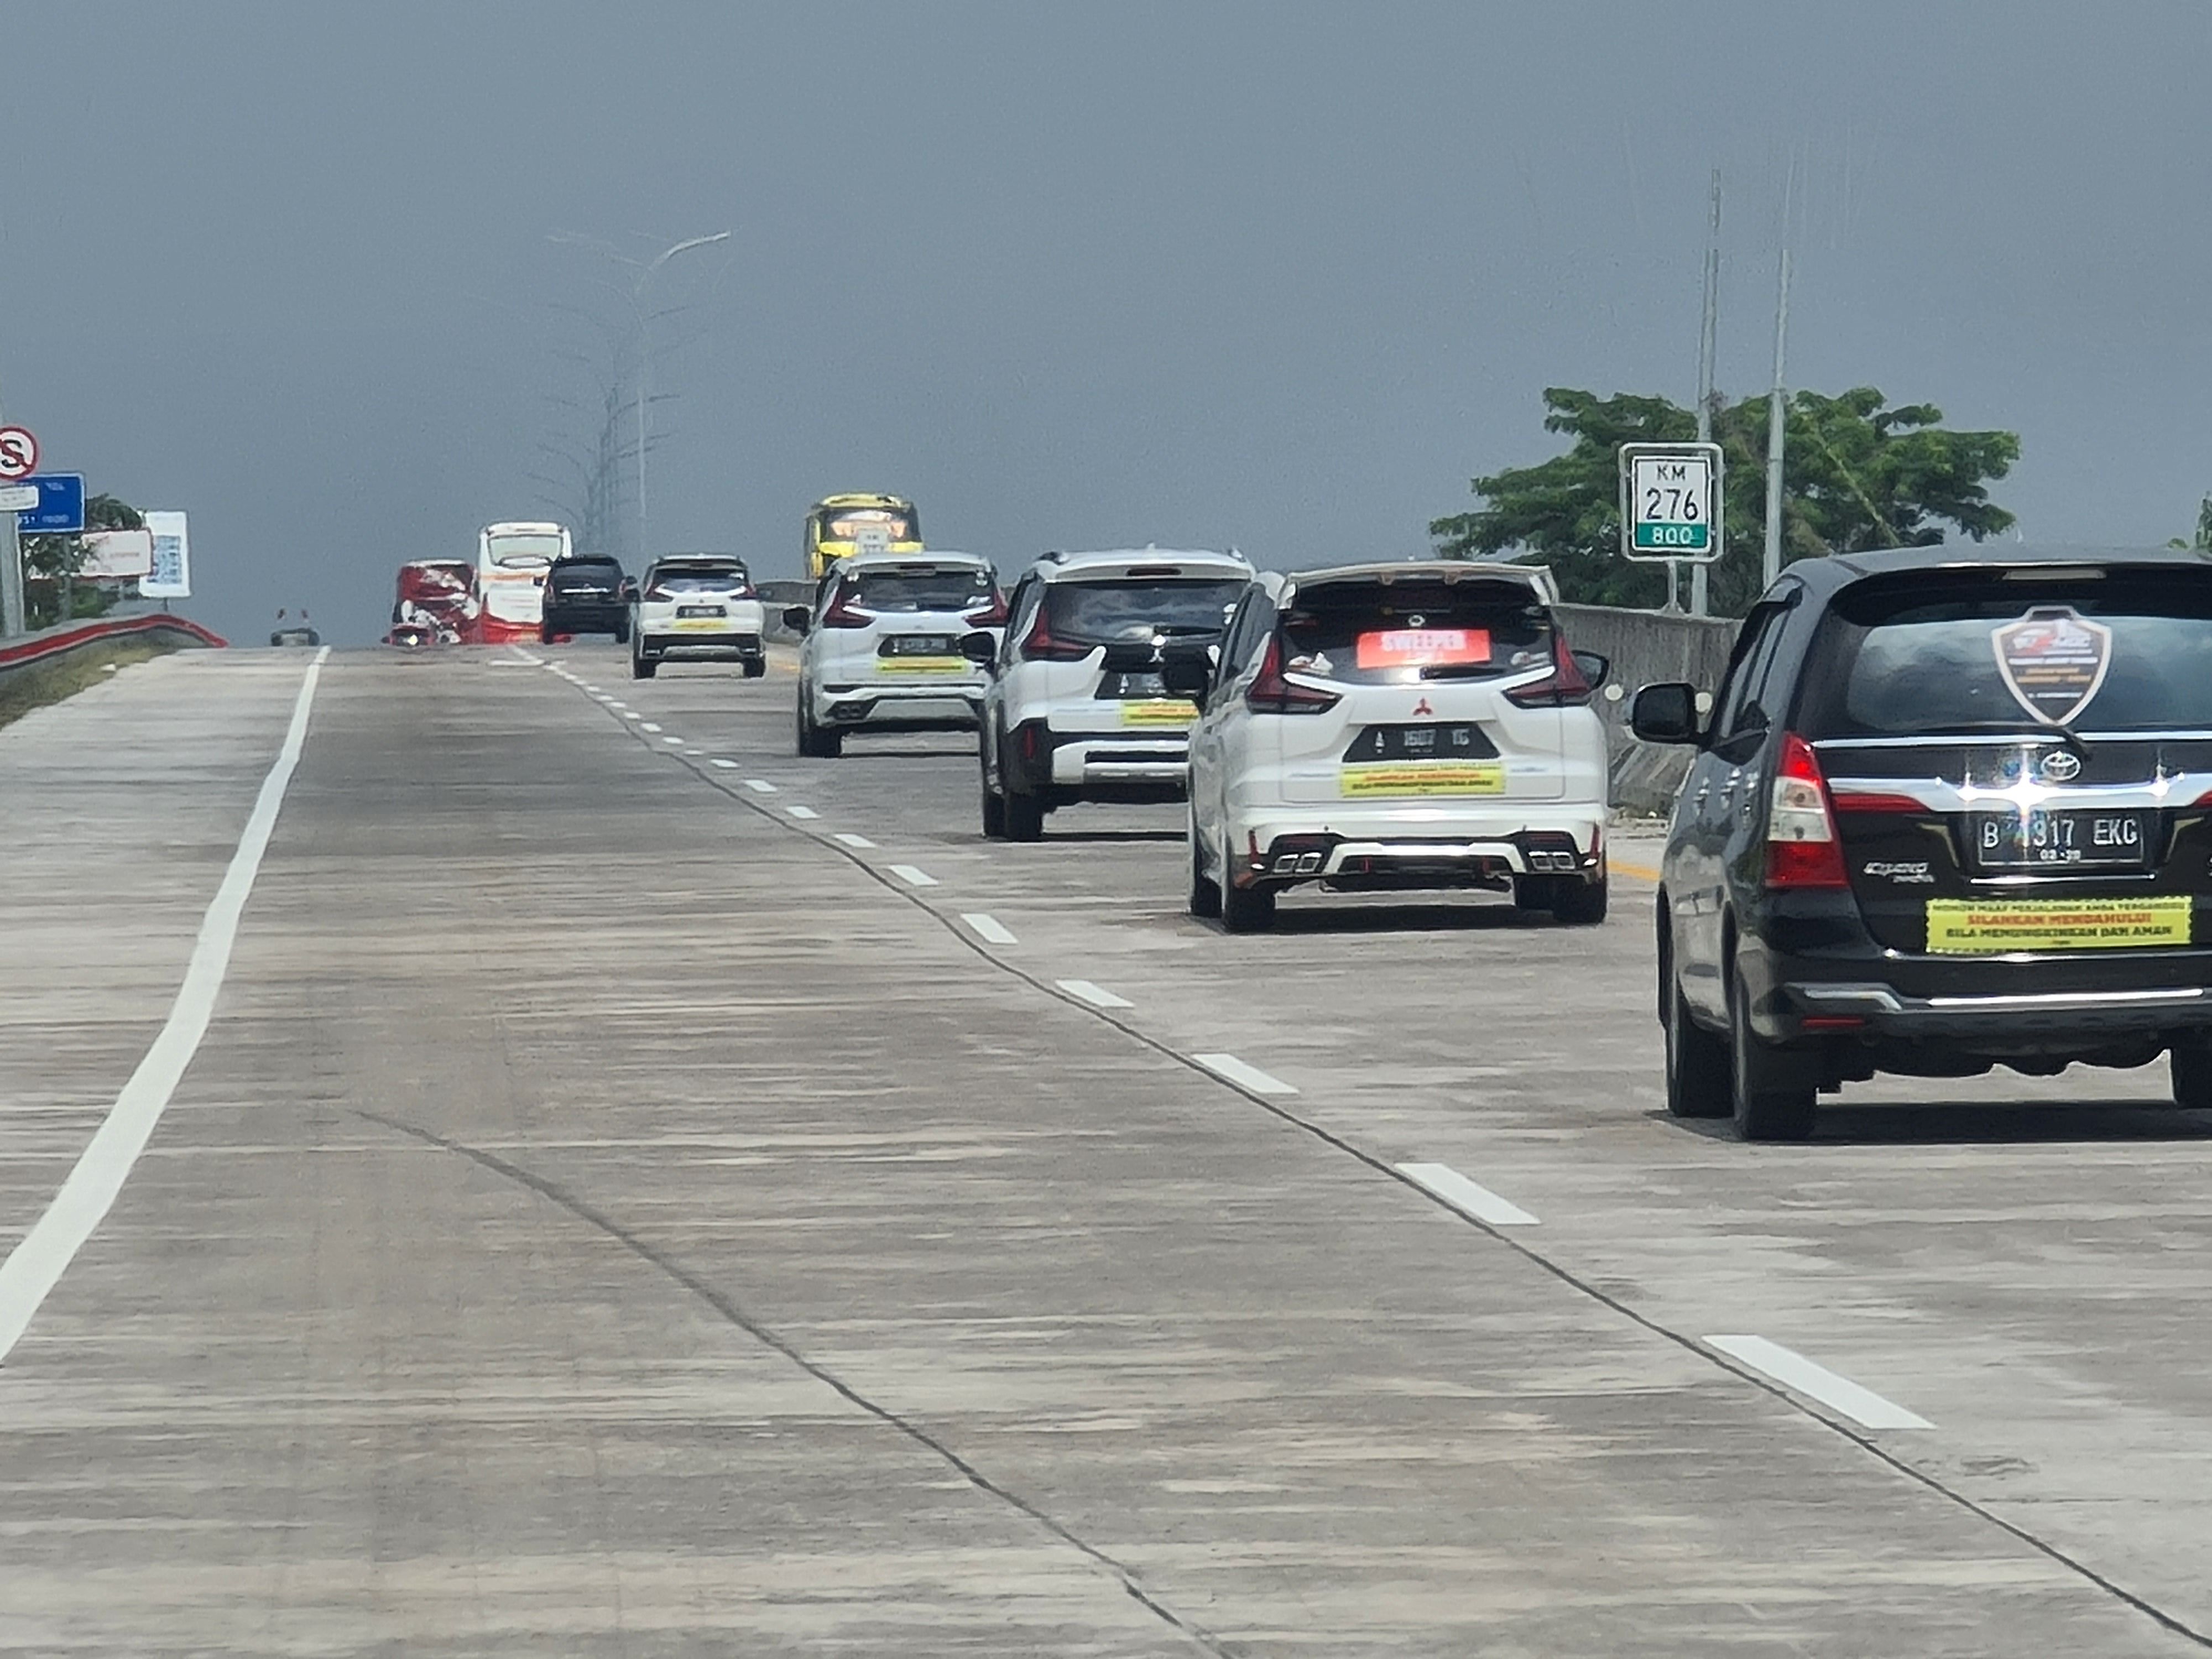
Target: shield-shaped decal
{"x": 2053, "y": 660}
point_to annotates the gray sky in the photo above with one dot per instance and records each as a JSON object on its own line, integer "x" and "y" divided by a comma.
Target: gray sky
{"x": 1277, "y": 275}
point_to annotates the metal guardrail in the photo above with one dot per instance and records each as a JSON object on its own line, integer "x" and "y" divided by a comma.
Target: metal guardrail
{"x": 51, "y": 645}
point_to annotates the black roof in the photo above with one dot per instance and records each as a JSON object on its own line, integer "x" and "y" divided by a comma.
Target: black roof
{"x": 1826, "y": 575}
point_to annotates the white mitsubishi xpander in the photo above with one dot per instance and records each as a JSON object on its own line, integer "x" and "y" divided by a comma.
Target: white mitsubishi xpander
{"x": 1388, "y": 727}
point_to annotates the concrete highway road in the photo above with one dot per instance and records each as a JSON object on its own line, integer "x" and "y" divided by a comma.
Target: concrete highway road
{"x": 638, "y": 1193}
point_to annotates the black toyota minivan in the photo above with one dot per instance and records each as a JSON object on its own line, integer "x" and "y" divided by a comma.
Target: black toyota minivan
{"x": 1951, "y": 808}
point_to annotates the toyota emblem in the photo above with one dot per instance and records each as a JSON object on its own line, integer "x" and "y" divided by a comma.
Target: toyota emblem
{"x": 2060, "y": 766}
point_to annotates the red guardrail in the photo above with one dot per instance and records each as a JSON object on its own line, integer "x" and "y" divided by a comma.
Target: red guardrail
{"x": 59, "y": 641}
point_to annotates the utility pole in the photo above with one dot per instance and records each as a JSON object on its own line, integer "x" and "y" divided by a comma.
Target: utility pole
{"x": 11, "y": 574}
{"x": 645, "y": 364}
{"x": 1700, "y": 599}
{"x": 1777, "y": 420}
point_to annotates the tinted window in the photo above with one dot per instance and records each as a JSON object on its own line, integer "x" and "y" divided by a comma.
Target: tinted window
{"x": 2131, "y": 651}
{"x": 849, "y": 523}
{"x": 1395, "y": 632}
{"x": 1743, "y": 700}
{"x": 1107, "y": 612}
{"x": 700, "y": 577}
{"x": 956, "y": 587}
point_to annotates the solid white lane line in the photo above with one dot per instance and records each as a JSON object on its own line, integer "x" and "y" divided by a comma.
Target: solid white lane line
{"x": 856, "y": 840}
{"x": 989, "y": 928}
{"x": 912, "y": 876}
{"x": 1248, "y": 1076}
{"x": 760, "y": 786}
{"x": 1792, "y": 1370}
{"x": 650, "y": 726}
{"x": 36, "y": 1264}
{"x": 802, "y": 811}
{"x": 1467, "y": 1197}
{"x": 1096, "y": 995}
{"x": 726, "y": 765}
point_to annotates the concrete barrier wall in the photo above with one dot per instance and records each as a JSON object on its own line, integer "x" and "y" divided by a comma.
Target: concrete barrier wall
{"x": 1646, "y": 647}
{"x": 51, "y": 664}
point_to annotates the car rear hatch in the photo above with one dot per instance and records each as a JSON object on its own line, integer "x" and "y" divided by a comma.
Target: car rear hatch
{"x": 1116, "y": 627}
{"x": 1442, "y": 688}
{"x": 917, "y": 614}
{"x": 2020, "y": 759}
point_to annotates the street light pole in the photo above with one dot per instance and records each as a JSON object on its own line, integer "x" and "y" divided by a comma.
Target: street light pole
{"x": 645, "y": 363}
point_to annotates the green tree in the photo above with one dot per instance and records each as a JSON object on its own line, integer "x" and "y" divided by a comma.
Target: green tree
{"x": 52, "y": 564}
{"x": 1857, "y": 475}
{"x": 2201, "y": 542}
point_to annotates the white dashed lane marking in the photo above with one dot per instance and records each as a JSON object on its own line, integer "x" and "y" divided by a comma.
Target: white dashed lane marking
{"x": 726, "y": 765}
{"x": 1245, "y": 1076}
{"x": 1467, "y": 1197}
{"x": 760, "y": 786}
{"x": 650, "y": 726}
{"x": 1792, "y": 1370}
{"x": 802, "y": 811}
{"x": 989, "y": 928}
{"x": 912, "y": 876}
{"x": 856, "y": 841}
{"x": 1096, "y": 995}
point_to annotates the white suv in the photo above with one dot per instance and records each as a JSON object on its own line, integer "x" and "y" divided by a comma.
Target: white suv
{"x": 693, "y": 605}
{"x": 1389, "y": 727}
{"x": 1076, "y": 709}
{"x": 882, "y": 647}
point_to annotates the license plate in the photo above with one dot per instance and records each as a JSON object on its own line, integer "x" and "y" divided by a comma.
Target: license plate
{"x": 2060, "y": 839}
{"x": 1140, "y": 683}
{"x": 701, "y": 610}
{"x": 716, "y": 623}
{"x": 1968, "y": 927}
{"x": 918, "y": 645}
{"x": 1437, "y": 777}
{"x": 1461, "y": 740}
{"x": 1161, "y": 712}
{"x": 924, "y": 666}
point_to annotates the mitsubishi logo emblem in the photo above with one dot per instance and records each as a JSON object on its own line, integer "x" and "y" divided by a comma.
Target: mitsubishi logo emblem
{"x": 1422, "y": 708}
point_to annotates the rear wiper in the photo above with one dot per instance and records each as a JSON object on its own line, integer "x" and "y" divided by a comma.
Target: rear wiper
{"x": 1458, "y": 671}
{"x": 2065, "y": 734}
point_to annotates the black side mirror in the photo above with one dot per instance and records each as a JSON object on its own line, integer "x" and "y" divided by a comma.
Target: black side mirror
{"x": 980, "y": 647}
{"x": 1187, "y": 670}
{"x": 1594, "y": 668}
{"x": 796, "y": 618}
{"x": 1666, "y": 712}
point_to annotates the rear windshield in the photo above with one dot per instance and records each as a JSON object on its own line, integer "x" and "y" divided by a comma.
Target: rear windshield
{"x": 697, "y": 579}
{"x": 2131, "y": 651}
{"x": 591, "y": 570}
{"x": 956, "y": 587}
{"x": 1105, "y": 612}
{"x": 851, "y": 523}
{"x": 1378, "y": 634}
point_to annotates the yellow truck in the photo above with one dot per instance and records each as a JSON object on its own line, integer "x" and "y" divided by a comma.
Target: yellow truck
{"x": 840, "y": 524}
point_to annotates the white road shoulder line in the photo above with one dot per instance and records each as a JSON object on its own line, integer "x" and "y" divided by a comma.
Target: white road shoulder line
{"x": 856, "y": 841}
{"x": 1248, "y": 1076}
{"x": 802, "y": 811}
{"x": 912, "y": 876}
{"x": 989, "y": 928}
{"x": 1792, "y": 1370}
{"x": 37, "y": 1263}
{"x": 1096, "y": 995}
{"x": 1467, "y": 1197}
{"x": 760, "y": 787}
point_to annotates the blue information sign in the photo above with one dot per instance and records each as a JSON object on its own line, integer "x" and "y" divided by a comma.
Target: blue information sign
{"x": 60, "y": 511}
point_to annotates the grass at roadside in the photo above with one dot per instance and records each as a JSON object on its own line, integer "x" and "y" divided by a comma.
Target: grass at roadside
{"x": 48, "y": 682}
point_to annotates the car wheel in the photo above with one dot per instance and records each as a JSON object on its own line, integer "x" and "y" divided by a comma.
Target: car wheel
{"x": 622, "y": 631}
{"x": 814, "y": 743}
{"x": 2191, "y": 1063}
{"x": 642, "y": 667}
{"x": 1024, "y": 817}
{"x": 1205, "y": 892}
{"x": 1247, "y": 909}
{"x": 545, "y": 633}
{"x": 1580, "y": 903}
{"x": 754, "y": 667}
{"x": 1699, "y": 1080}
{"x": 1770, "y": 1104}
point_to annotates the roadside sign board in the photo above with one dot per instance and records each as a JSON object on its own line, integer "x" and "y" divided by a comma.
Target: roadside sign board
{"x": 60, "y": 511}
{"x": 116, "y": 556}
{"x": 18, "y": 498}
{"x": 171, "y": 574}
{"x": 19, "y": 453}
{"x": 1670, "y": 503}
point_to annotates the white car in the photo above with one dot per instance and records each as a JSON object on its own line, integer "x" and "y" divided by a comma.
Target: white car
{"x": 881, "y": 646}
{"x": 1076, "y": 709}
{"x": 694, "y": 606}
{"x": 1388, "y": 727}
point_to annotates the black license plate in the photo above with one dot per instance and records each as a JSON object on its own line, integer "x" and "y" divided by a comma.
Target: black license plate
{"x": 701, "y": 610}
{"x": 1131, "y": 685}
{"x": 1451, "y": 740}
{"x": 919, "y": 645}
{"x": 2062, "y": 838}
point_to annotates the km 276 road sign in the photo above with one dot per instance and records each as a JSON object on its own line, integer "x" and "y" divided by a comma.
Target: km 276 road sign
{"x": 1670, "y": 503}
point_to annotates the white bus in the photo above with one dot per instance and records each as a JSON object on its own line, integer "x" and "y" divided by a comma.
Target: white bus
{"x": 511, "y": 560}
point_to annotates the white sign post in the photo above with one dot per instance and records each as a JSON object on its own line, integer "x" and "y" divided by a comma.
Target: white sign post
{"x": 1670, "y": 503}
{"x": 19, "y": 459}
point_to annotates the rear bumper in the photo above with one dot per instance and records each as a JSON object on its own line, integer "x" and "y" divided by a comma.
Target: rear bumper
{"x": 745, "y": 647}
{"x": 2030, "y": 1019}
{"x": 587, "y": 618}
{"x": 1418, "y": 845}
{"x": 1158, "y": 760}
{"x": 918, "y": 708}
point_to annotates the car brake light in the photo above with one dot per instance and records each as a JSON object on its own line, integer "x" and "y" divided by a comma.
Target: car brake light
{"x": 1893, "y": 800}
{"x": 1042, "y": 645}
{"x": 1563, "y": 688}
{"x": 1802, "y": 851}
{"x": 993, "y": 615}
{"x": 842, "y": 614}
{"x": 1270, "y": 694}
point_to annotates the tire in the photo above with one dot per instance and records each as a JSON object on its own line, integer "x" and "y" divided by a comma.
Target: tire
{"x": 546, "y": 633}
{"x": 2192, "y": 1076}
{"x": 1024, "y": 817}
{"x": 622, "y": 631}
{"x": 994, "y": 802}
{"x": 1534, "y": 892}
{"x": 1580, "y": 903}
{"x": 1699, "y": 1083}
{"x": 754, "y": 667}
{"x": 642, "y": 667}
{"x": 1769, "y": 1104}
{"x": 1247, "y": 909}
{"x": 1205, "y": 892}
{"x": 814, "y": 743}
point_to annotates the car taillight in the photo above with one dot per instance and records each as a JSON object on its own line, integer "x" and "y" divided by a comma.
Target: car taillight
{"x": 993, "y": 615}
{"x": 1563, "y": 688}
{"x": 1887, "y": 800}
{"x": 1270, "y": 694}
{"x": 1042, "y": 645}
{"x": 842, "y": 613}
{"x": 1802, "y": 851}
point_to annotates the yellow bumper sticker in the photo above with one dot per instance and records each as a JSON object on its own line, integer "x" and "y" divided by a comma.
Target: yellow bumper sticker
{"x": 1422, "y": 778}
{"x": 705, "y": 625}
{"x": 1159, "y": 711}
{"x": 924, "y": 666}
{"x": 1969, "y": 927}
